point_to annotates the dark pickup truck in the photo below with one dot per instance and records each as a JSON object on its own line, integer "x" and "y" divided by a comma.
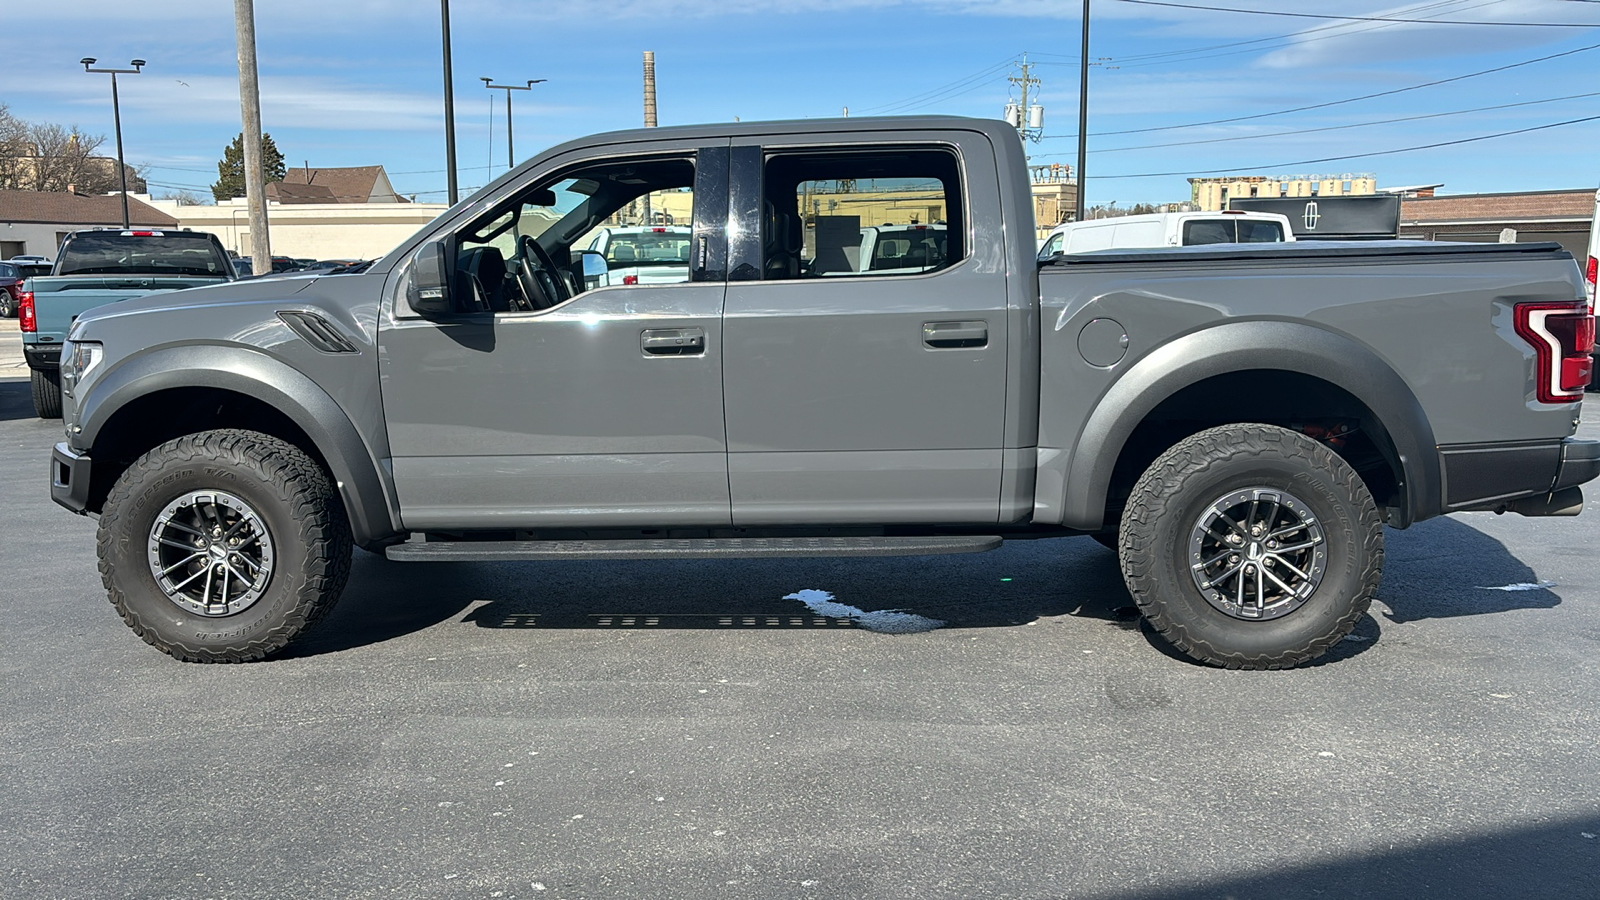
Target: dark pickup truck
{"x": 1238, "y": 422}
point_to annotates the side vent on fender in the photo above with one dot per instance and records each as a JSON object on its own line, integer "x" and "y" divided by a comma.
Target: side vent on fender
{"x": 318, "y": 332}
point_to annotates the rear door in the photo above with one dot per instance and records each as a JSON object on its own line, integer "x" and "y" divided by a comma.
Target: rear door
{"x": 855, "y": 395}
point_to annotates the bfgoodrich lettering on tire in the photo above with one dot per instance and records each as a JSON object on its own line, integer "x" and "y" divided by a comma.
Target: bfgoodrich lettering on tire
{"x": 1251, "y": 547}
{"x": 223, "y": 546}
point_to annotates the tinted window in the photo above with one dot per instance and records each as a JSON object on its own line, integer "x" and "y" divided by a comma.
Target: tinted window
{"x": 866, "y": 212}
{"x": 170, "y": 253}
{"x": 8, "y": 271}
{"x": 1230, "y": 231}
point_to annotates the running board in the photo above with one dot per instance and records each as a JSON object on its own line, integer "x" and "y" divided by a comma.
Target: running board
{"x": 690, "y": 548}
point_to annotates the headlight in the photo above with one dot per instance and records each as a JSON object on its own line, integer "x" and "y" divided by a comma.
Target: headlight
{"x": 79, "y": 357}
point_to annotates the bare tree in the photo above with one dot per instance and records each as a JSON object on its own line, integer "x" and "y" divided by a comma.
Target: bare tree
{"x": 44, "y": 156}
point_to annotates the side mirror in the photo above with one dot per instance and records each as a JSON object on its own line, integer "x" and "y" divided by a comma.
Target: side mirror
{"x": 596, "y": 273}
{"x": 428, "y": 285}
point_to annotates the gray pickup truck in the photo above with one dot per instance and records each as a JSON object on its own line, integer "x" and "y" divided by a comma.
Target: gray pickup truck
{"x": 1238, "y": 422}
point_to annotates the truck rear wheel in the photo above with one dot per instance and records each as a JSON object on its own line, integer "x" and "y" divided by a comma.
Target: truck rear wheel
{"x": 1251, "y": 547}
{"x": 223, "y": 546}
{"x": 46, "y": 394}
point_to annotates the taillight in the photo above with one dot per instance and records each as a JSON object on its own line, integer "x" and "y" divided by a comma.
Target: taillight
{"x": 1562, "y": 336}
{"x": 630, "y": 279}
{"x": 25, "y": 318}
{"x": 1590, "y": 277}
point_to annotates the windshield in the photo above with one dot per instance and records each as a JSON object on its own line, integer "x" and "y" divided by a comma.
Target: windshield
{"x": 116, "y": 253}
{"x": 648, "y": 249}
{"x": 1231, "y": 230}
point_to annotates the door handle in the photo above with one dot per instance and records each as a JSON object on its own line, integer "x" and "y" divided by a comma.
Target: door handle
{"x": 955, "y": 335}
{"x": 673, "y": 342}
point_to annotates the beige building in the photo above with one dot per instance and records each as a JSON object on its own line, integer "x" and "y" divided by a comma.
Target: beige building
{"x": 314, "y": 230}
{"x": 1213, "y": 194}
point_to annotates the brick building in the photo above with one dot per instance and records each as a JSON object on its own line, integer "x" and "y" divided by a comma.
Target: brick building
{"x": 1561, "y": 216}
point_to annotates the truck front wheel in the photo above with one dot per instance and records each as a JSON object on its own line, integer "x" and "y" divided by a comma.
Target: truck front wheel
{"x": 46, "y": 393}
{"x": 1251, "y": 547}
{"x": 223, "y": 546}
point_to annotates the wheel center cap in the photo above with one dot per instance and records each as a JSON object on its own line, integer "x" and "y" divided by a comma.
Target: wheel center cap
{"x": 219, "y": 552}
{"x": 1255, "y": 551}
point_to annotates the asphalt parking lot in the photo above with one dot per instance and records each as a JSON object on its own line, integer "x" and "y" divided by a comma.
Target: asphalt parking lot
{"x": 681, "y": 730}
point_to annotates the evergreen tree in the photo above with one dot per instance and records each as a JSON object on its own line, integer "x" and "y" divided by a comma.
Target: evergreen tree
{"x": 230, "y": 170}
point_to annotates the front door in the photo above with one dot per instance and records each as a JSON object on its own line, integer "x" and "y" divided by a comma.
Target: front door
{"x": 865, "y": 332}
{"x": 555, "y": 400}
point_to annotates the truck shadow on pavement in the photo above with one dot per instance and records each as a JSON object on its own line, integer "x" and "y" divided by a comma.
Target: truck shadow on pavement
{"x": 1441, "y": 568}
{"x": 16, "y": 397}
{"x": 1445, "y": 568}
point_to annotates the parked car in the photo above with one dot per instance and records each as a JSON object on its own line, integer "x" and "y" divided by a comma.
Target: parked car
{"x": 1239, "y": 421}
{"x": 36, "y": 260}
{"x": 103, "y": 266}
{"x": 11, "y": 279}
{"x": 1185, "y": 229}
{"x": 644, "y": 254}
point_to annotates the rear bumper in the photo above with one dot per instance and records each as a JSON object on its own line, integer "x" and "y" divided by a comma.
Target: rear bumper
{"x": 42, "y": 356}
{"x": 69, "y": 478}
{"x": 1495, "y": 476}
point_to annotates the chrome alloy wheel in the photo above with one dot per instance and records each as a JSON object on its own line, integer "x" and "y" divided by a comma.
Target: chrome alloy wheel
{"x": 210, "y": 553}
{"x": 1257, "y": 553}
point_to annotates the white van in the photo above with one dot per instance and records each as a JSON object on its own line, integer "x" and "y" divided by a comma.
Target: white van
{"x": 1180, "y": 229}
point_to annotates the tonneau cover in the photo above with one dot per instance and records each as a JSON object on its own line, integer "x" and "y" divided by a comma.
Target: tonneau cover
{"x": 1293, "y": 250}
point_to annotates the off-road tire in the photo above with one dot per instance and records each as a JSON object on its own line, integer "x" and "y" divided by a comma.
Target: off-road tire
{"x": 299, "y": 508}
{"x": 1181, "y": 486}
{"x": 46, "y": 393}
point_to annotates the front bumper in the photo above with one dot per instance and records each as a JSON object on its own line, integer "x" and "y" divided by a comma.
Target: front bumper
{"x": 69, "y": 478}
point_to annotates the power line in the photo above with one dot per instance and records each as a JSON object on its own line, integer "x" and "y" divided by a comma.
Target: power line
{"x": 1264, "y": 12}
{"x": 929, "y": 96}
{"x": 1309, "y": 162}
{"x": 1414, "y": 87}
{"x": 1300, "y": 131}
{"x": 1296, "y": 39}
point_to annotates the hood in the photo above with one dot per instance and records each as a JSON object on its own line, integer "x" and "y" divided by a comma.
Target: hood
{"x": 264, "y": 290}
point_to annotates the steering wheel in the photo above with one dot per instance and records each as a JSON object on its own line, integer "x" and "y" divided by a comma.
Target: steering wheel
{"x": 538, "y": 276}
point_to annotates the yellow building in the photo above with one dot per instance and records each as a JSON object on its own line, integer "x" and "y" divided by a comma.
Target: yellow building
{"x": 1212, "y": 194}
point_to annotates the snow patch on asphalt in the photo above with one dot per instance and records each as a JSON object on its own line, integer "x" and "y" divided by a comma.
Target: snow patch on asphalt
{"x": 883, "y": 621}
{"x": 1521, "y": 586}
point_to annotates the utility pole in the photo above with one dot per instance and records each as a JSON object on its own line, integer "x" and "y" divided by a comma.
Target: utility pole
{"x": 1083, "y": 113}
{"x": 511, "y": 156}
{"x": 649, "y": 111}
{"x": 1027, "y": 119}
{"x": 116, "y": 115}
{"x": 449, "y": 107}
{"x": 255, "y": 185}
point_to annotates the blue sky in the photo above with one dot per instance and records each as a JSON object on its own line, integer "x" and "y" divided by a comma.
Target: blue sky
{"x": 358, "y": 82}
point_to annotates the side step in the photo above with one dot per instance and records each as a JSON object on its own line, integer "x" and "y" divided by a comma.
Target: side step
{"x": 690, "y": 548}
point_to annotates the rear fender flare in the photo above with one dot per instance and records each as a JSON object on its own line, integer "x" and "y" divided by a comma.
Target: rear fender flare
{"x": 1244, "y": 346}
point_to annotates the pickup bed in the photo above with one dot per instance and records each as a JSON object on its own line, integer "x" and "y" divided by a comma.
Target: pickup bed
{"x": 103, "y": 266}
{"x": 1237, "y": 422}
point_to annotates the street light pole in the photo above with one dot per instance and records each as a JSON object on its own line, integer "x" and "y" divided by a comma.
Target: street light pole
{"x": 116, "y": 115}
{"x": 1083, "y": 112}
{"x": 511, "y": 157}
{"x": 449, "y": 107}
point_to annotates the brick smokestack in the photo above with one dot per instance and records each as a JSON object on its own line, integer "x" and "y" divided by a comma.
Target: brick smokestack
{"x": 649, "y": 89}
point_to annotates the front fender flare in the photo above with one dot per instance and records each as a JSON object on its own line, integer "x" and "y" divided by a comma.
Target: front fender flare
{"x": 368, "y": 499}
{"x": 1245, "y": 346}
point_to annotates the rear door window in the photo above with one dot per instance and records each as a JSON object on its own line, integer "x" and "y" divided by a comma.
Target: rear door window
{"x": 1230, "y": 231}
